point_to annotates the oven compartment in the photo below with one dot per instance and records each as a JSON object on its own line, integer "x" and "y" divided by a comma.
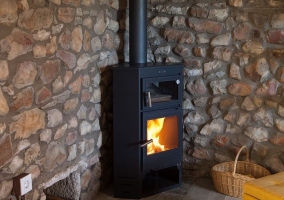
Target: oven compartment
{"x": 161, "y": 92}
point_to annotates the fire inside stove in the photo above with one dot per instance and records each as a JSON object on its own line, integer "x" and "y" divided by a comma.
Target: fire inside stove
{"x": 163, "y": 134}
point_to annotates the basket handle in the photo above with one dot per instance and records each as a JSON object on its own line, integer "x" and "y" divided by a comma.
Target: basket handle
{"x": 237, "y": 157}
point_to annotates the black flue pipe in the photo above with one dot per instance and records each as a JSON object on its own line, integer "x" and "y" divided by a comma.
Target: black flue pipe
{"x": 137, "y": 31}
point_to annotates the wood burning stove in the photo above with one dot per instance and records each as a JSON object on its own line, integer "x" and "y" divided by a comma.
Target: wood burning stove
{"x": 147, "y": 128}
{"x": 147, "y": 117}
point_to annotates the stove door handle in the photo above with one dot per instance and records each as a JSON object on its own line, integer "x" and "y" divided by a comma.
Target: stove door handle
{"x": 146, "y": 143}
{"x": 149, "y": 99}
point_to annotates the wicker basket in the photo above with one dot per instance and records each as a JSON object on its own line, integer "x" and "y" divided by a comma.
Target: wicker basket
{"x": 229, "y": 177}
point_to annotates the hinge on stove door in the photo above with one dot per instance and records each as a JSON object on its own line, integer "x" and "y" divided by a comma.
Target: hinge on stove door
{"x": 146, "y": 143}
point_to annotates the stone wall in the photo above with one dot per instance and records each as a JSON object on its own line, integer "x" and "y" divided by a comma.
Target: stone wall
{"x": 233, "y": 87}
{"x": 55, "y": 83}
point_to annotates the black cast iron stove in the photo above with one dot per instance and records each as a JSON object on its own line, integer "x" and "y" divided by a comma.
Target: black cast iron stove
{"x": 147, "y": 115}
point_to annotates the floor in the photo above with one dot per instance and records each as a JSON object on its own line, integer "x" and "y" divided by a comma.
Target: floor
{"x": 191, "y": 189}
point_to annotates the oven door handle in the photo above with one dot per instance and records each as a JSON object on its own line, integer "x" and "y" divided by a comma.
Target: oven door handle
{"x": 146, "y": 143}
{"x": 149, "y": 99}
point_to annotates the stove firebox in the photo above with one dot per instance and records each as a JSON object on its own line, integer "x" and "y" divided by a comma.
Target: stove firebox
{"x": 147, "y": 111}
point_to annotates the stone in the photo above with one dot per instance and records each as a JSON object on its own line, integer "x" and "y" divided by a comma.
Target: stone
{"x": 16, "y": 44}
{"x": 85, "y": 178}
{"x": 200, "y": 51}
{"x": 222, "y": 53}
{"x": 54, "y": 118}
{"x": 5, "y": 188}
{"x": 9, "y": 89}
{"x": 31, "y": 154}
{"x": 277, "y": 20}
{"x": 68, "y": 58}
{"x": 230, "y": 117}
{"x": 260, "y": 20}
{"x": 52, "y": 46}
{"x": 218, "y": 87}
{"x": 56, "y": 29}
{"x": 55, "y": 155}
{"x": 165, "y": 50}
{"x": 65, "y": 39}
{"x": 275, "y": 164}
{"x": 57, "y": 2}
{"x": 179, "y": 22}
{"x": 28, "y": 123}
{"x": 244, "y": 119}
{"x": 275, "y": 36}
{"x": 201, "y": 140}
{"x": 210, "y": 66}
{"x": 42, "y": 95}
{"x": 260, "y": 149}
{"x": 242, "y": 31}
{"x": 228, "y": 103}
{"x": 199, "y": 12}
{"x": 258, "y": 70}
{"x": 223, "y": 39}
{"x": 73, "y": 123}
{"x": 100, "y": 25}
{"x": 83, "y": 62}
{"x": 61, "y": 98}
{"x": 2, "y": 128}
{"x": 68, "y": 76}
{"x": 194, "y": 118}
{"x": 82, "y": 113}
{"x": 34, "y": 20}
{"x": 46, "y": 135}
{"x": 277, "y": 139}
{"x": 280, "y": 74}
{"x": 196, "y": 87}
{"x": 240, "y": 89}
{"x": 8, "y": 12}
{"x": 87, "y": 41}
{"x": 25, "y": 75}
{"x": 202, "y": 25}
{"x": 81, "y": 147}
{"x": 159, "y": 21}
{"x": 34, "y": 170}
{"x": 178, "y": 36}
{"x": 220, "y": 141}
{"x": 202, "y": 154}
{"x": 96, "y": 44}
{"x": 269, "y": 88}
{"x": 279, "y": 124}
{"x": 85, "y": 95}
{"x": 85, "y": 128}
{"x": 263, "y": 117}
{"x": 218, "y": 14}
{"x": 23, "y": 144}
{"x": 66, "y": 15}
{"x": 96, "y": 125}
{"x": 75, "y": 87}
{"x": 236, "y": 3}
{"x": 182, "y": 50}
{"x": 200, "y": 102}
{"x": 4, "y": 108}
{"x": 77, "y": 39}
{"x": 72, "y": 152}
{"x": 96, "y": 97}
{"x": 253, "y": 47}
{"x": 172, "y": 9}
{"x": 247, "y": 104}
{"x": 70, "y": 105}
{"x": 88, "y": 22}
{"x": 71, "y": 137}
{"x": 4, "y": 70}
{"x": 280, "y": 110}
{"x": 92, "y": 114}
{"x": 242, "y": 17}
{"x": 232, "y": 129}
{"x": 57, "y": 85}
{"x": 258, "y": 134}
{"x": 202, "y": 38}
{"x": 60, "y": 132}
{"x": 24, "y": 99}
{"x": 235, "y": 72}
{"x": 75, "y": 3}
{"x": 90, "y": 147}
{"x": 191, "y": 128}
{"x": 39, "y": 51}
{"x": 49, "y": 70}
{"x": 6, "y": 154}
{"x": 192, "y": 72}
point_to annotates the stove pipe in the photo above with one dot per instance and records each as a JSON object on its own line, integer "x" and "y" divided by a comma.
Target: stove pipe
{"x": 137, "y": 31}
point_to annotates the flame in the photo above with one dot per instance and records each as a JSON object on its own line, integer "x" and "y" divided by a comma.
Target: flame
{"x": 154, "y": 127}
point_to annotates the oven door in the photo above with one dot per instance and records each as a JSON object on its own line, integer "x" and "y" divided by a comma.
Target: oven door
{"x": 162, "y": 139}
{"x": 161, "y": 92}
